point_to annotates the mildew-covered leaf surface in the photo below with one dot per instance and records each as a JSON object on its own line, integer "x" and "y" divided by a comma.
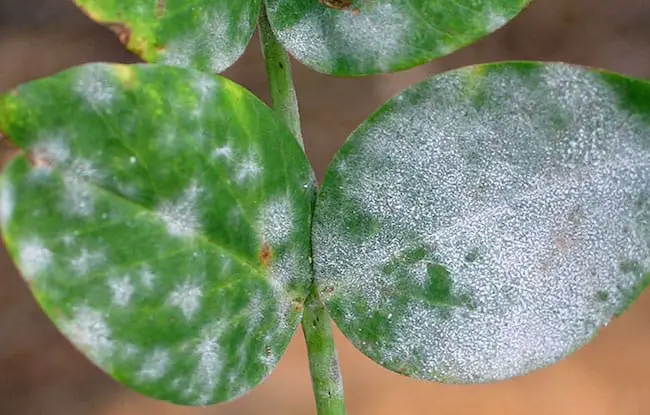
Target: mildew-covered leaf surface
{"x": 363, "y": 37}
{"x": 209, "y": 35}
{"x": 488, "y": 221}
{"x": 161, "y": 217}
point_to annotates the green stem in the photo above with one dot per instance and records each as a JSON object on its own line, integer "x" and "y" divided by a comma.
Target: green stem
{"x": 316, "y": 325}
{"x": 278, "y": 70}
{"x": 323, "y": 360}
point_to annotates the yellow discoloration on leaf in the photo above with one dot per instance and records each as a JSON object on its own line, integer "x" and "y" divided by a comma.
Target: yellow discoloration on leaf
{"x": 125, "y": 75}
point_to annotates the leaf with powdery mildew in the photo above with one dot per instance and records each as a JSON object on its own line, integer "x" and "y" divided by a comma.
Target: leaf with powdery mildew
{"x": 488, "y": 221}
{"x": 365, "y": 37}
{"x": 161, "y": 217}
{"x": 209, "y": 35}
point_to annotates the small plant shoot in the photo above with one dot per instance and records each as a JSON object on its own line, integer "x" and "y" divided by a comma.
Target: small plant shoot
{"x": 480, "y": 225}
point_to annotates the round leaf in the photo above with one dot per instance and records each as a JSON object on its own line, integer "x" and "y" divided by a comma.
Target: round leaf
{"x": 161, "y": 217}
{"x": 209, "y": 35}
{"x": 488, "y": 221}
{"x": 364, "y": 37}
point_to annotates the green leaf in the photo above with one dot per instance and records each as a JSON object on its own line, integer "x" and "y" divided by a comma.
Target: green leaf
{"x": 161, "y": 217}
{"x": 489, "y": 221}
{"x": 209, "y": 35}
{"x": 364, "y": 37}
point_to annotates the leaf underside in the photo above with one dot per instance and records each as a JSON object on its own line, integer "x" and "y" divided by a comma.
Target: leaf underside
{"x": 161, "y": 217}
{"x": 487, "y": 222}
{"x": 364, "y": 37}
{"x": 208, "y": 35}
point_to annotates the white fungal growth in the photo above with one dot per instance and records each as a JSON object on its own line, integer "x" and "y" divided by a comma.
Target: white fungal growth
{"x": 130, "y": 350}
{"x": 34, "y": 258}
{"x": 84, "y": 170}
{"x": 89, "y": 331}
{"x": 247, "y": 170}
{"x": 147, "y": 278}
{"x": 7, "y": 201}
{"x": 373, "y": 38}
{"x": 78, "y": 198}
{"x": 96, "y": 86}
{"x": 86, "y": 261}
{"x": 154, "y": 366}
{"x": 280, "y": 275}
{"x": 181, "y": 216}
{"x": 211, "y": 39}
{"x": 204, "y": 86}
{"x": 275, "y": 222}
{"x": 533, "y": 200}
{"x": 222, "y": 152}
{"x": 121, "y": 290}
{"x": 187, "y": 297}
{"x": 495, "y": 21}
{"x": 307, "y": 39}
{"x": 209, "y": 367}
{"x": 51, "y": 150}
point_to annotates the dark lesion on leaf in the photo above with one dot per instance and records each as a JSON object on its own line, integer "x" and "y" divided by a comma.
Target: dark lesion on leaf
{"x": 267, "y": 350}
{"x": 297, "y": 305}
{"x": 339, "y": 5}
{"x": 38, "y": 162}
{"x": 8, "y": 150}
{"x": 265, "y": 255}
{"x": 122, "y": 32}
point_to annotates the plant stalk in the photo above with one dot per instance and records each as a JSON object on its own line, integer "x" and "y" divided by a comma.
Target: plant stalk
{"x": 278, "y": 70}
{"x": 316, "y": 324}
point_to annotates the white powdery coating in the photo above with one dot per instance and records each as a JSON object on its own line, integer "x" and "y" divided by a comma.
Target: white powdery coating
{"x": 154, "y": 366}
{"x": 210, "y": 364}
{"x": 374, "y": 38}
{"x": 495, "y": 21}
{"x": 121, "y": 290}
{"x": 280, "y": 275}
{"x": 96, "y": 86}
{"x": 549, "y": 213}
{"x": 77, "y": 198}
{"x": 34, "y": 257}
{"x": 51, "y": 150}
{"x": 306, "y": 39}
{"x": 187, "y": 297}
{"x": 7, "y": 201}
{"x": 210, "y": 38}
{"x": 222, "y": 152}
{"x": 85, "y": 261}
{"x": 147, "y": 278}
{"x": 247, "y": 170}
{"x": 89, "y": 331}
{"x": 205, "y": 87}
{"x": 275, "y": 221}
{"x": 181, "y": 215}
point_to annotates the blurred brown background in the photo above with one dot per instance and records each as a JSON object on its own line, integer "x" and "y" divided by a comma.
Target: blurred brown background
{"x": 41, "y": 374}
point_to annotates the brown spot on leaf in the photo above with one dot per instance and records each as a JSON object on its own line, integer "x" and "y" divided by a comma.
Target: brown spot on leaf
{"x": 297, "y": 305}
{"x": 265, "y": 254}
{"x": 336, "y": 4}
{"x": 160, "y": 8}
{"x": 122, "y": 32}
{"x": 38, "y": 162}
{"x": 7, "y": 149}
{"x": 267, "y": 350}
